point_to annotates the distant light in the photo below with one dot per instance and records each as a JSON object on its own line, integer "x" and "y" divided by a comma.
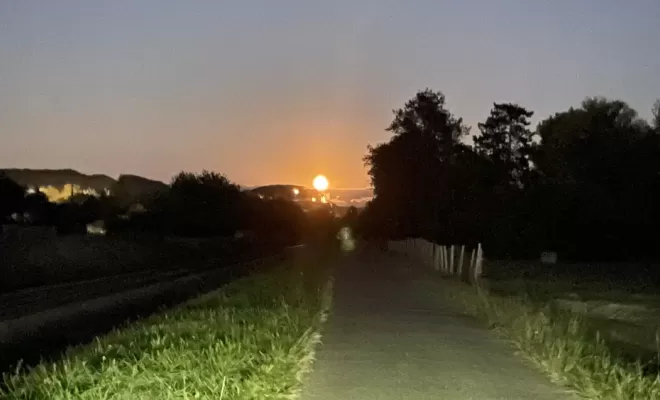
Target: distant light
{"x": 323, "y": 199}
{"x": 296, "y": 192}
{"x": 320, "y": 183}
{"x": 314, "y": 199}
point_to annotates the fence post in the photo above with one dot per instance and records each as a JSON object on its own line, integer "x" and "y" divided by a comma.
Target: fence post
{"x": 460, "y": 262}
{"x": 436, "y": 257}
{"x": 478, "y": 263}
{"x": 445, "y": 259}
{"x": 452, "y": 265}
{"x": 441, "y": 259}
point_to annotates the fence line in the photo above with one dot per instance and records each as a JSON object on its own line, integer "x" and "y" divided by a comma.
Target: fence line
{"x": 442, "y": 258}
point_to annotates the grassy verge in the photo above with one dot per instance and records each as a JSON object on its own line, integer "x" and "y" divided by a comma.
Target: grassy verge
{"x": 560, "y": 344}
{"x": 252, "y": 339}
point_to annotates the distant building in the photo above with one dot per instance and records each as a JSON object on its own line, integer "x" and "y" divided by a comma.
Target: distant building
{"x": 65, "y": 192}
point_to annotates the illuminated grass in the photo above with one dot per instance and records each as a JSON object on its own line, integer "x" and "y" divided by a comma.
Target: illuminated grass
{"x": 559, "y": 344}
{"x": 252, "y": 339}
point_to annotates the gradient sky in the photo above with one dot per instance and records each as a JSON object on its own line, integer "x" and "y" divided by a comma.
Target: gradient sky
{"x": 277, "y": 91}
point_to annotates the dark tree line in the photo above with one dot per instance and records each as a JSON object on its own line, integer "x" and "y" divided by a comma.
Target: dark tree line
{"x": 193, "y": 205}
{"x": 584, "y": 183}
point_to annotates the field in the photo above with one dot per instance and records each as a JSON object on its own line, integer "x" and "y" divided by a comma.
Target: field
{"x": 35, "y": 256}
{"x": 252, "y": 339}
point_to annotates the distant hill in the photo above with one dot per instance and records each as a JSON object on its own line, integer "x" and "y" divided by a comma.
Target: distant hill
{"x": 58, "y": 178}
{"x": 128, "y": 187}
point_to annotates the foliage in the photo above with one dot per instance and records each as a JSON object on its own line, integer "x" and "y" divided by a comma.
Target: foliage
{"x": 209, "y": 204}
{"x": 12, "y": 195}
{"x": 587, "y": 188}
{"x": 506, "y": 142}
{"x": 39, "y": 209}
{"x": 204, "y": 204}
{"x": 558, "y": 343}
{"x": 278, "y": 219}
{"x": 412, "y": 174}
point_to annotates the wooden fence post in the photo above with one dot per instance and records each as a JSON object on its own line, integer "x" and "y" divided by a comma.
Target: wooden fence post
{"x": 452, "y": 266}
{"x": 436, "y": 257}
{"x": 460, "y": 262}
{"x": 478, "y": 262}
{"x": 471, "y": 271}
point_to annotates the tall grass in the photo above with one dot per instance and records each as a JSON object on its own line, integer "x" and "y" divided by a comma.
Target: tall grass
{"x": 559, "y": 344}
{"x": 253, "y": 339}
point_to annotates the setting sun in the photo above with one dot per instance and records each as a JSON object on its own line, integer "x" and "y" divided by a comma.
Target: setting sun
{"x": 320, "y": 183}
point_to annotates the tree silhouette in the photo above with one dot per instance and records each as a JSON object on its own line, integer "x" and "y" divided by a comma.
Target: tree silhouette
{"x": 277, "y": 221}
{"x": 38, "y": 208}
{"x": 204, "y": 204}
{"x": 597, "y": 165}
{"x": 507, "y": 142}
{"x": 412, "y": 173}
{"x": 12, "y": 197}
{"x": 588, "y": 188}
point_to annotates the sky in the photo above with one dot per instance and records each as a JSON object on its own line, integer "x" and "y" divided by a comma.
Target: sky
{"x": 278, "y": 91}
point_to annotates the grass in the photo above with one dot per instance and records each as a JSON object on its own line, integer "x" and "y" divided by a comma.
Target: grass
{"x": 559, "y": 343}
{"x": 625, "y": 314}
{"x": 253, "y": 339}
{"x": 548, "y": 288}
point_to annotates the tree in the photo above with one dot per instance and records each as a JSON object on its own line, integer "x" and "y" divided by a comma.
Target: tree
{"x": 599, "y": 165}
{"x": 412, "y": 173}
{"x": 38, "y": 208}
{"x": 507, "y": 142}
{"x": 656, "y": 115}
{"x": 580, "y": 144}
{"x": 203, "y": 204}
{"x": 12, "y": 195}
{"x": 276, "y": 221}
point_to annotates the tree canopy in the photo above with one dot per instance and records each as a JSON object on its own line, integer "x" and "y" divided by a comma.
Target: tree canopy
{"x": 12, "y": 195}
{"x": 584, "y": 183}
